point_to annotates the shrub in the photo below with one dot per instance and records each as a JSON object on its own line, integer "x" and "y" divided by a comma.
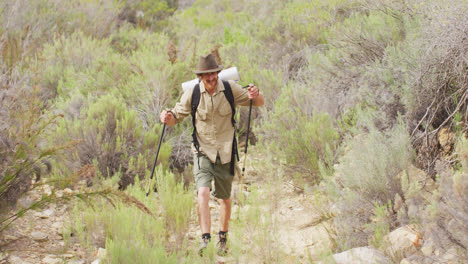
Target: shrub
{"x": 366, "y": 178}
{"x": 303, "y": 141}
{"x": 23, "y": 126}
{"x": 112, "y": 137}
{"x": 443, "y": 220}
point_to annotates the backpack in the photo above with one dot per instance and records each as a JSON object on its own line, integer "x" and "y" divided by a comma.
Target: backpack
{"x": 230, "y": 97}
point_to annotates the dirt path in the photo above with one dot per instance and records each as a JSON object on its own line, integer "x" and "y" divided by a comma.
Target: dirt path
{"x": 37, "y": 237}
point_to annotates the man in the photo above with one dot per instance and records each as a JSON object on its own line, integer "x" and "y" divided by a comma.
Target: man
{"x": 213, "y": 141}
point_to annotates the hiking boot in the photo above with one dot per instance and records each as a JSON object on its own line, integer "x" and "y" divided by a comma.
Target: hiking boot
{"x": 203, "y": 246}
{"x": 222, "y": 245}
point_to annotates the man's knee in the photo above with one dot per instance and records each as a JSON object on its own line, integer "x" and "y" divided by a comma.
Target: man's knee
{"x": 204, "y": 193}
{"x": 225, "y": 201}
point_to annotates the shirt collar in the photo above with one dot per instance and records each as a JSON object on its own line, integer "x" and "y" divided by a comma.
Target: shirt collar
{"x": 220, "y": 87}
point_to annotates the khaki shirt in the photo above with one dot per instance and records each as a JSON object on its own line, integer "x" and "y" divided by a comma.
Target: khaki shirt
{"x": 213, "y": 119}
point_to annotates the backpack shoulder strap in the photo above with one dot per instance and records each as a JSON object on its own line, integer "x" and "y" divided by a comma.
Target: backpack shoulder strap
{"x": 234, "y": 152}
{"x": 230, "y": 98}
{"x": 194, "y": 106}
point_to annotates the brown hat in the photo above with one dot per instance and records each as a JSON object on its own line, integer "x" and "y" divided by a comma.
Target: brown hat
{"x": 207, "y": 64}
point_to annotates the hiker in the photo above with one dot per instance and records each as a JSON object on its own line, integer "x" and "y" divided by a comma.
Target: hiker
{"x": 214, "y": 143}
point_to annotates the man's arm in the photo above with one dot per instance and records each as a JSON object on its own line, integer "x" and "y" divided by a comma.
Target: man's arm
{"x": 180, "y": 111}
{"x": 256, "y": 96}
{"x": 167, "y": 118}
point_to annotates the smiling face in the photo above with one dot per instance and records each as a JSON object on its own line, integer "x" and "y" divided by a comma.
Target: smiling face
{"x": 210, "y": 80}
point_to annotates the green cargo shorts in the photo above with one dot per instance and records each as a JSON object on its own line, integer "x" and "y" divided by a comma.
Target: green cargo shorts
{"x": 205, "y": 172}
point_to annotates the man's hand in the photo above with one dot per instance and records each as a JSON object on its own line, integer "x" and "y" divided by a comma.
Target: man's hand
{"x": 253, "y": 91}
{"x": 255, "y": 95}
{"x": 167, "y": 118}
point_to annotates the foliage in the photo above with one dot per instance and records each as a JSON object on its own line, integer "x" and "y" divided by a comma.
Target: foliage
{"x": 23, "y": 157}
{"x": 444, "y": 218}
{"x": 112, "y": 137}
{"x": 311, "y": 141}
{"x": 135, "y": 235}
{"x": 351, "y": 88}
{"x": 366, "y": 178}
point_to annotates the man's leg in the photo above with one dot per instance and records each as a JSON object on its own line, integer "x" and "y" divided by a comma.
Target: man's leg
{"x": 204, "y": 216}
{"x": 225, "y": 214}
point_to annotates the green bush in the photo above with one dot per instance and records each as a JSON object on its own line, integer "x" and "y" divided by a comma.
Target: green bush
{"x": 365, "y": 178}
{"x": 302, "y": 141}
{"x": 112, "y": 138}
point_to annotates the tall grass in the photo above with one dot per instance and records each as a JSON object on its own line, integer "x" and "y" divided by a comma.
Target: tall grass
{"x": 130, "y": 234}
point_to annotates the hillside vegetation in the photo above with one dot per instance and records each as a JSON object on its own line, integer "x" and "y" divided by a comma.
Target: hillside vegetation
{"x": 366, "y": 113}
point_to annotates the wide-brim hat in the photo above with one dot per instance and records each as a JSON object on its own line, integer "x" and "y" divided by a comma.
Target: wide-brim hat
{"x": 207, "y": 64}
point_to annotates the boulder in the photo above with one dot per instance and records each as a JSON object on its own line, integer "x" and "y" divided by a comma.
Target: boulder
{"x": 51, "y": 260}
{"x": 402, "y": 242}
{"x": 428, "y": 248}
{"x": 362, "y": 255}
{"x": 417, "y": 184}
{"x": 39, "y": 236}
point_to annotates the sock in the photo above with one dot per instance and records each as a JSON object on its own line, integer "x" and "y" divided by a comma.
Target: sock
{"x": 206, "y": 235}
{"x": 223, "y": 234}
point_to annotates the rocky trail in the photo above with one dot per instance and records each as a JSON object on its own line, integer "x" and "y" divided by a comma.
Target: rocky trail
{"x": 38, "y": 236}
{"x": 299, "y": 230}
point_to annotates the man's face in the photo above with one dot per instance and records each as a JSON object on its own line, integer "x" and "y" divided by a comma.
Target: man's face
{"x": 210, "y": 80}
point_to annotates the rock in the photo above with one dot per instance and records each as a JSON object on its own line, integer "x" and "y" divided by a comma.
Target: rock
{"x": 97, "y": 261}
{"x": 58, "y": 226}
{"x": 446, "y": 139}
{"x": 47, "y": 189}
{"x": 76, "y": 262}
{"x": 67, "y": 191}
{"x": 416, "y": 175}
{"x": 67, "y": 256}
{"x": 398, "y": 203}
{"x": 362, "y": 255}
{"x": 15, "y": 259}
{"x": 416, "y": 259}
{"x": 59, "y": 194}
{"x": 39, "y": 236}
{"x": 24, "y": 202}
{"x": 402, "y": 242}
{"x": 428, "y": 248}
{"x": 46, "y": 214}
{"x": 9, "y": 238}
{"x": 451, "y": 255}
{"x": 101, "y": 253}
{"x": 51, "y": 260}
{"x": 3, "y": 256}
{"x": 212, "y": 204}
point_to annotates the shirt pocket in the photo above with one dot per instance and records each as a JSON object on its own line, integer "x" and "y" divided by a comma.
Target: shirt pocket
{"x": 225, "y": 109}
{"x": 201, "y": 121}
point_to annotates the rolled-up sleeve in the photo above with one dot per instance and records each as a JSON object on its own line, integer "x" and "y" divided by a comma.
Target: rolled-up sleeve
{"x": 183, "y": 108}
{"x": 241, "y": 96}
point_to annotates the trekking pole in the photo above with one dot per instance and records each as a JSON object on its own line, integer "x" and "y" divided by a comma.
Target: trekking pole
{"x": 154, "y": 165}
{"x": 245, "y": 151}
